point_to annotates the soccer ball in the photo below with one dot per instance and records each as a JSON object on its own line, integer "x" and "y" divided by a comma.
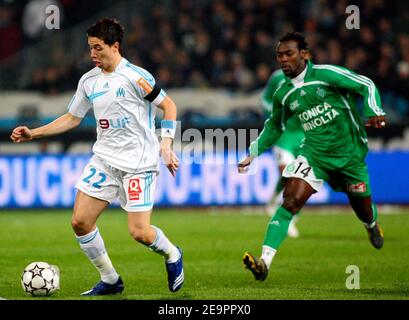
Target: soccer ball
{"x": 40, "y": 279}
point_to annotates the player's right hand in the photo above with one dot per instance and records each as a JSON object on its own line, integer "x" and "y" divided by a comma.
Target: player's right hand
{"x": 376, "y": 122}
{"x": 244, "y": 164}
{"x": 21, "y": 134}
{"x": 169, "y": 157}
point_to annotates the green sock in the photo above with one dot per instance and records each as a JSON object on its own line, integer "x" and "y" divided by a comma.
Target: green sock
{"x": 374, "y": 212}
{"x": 277, "y": 228}
{"x": 371, "y": 224}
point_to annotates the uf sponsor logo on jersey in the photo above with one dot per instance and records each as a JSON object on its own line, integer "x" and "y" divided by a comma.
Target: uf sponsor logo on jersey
{"x": 120, "y": 92}
{"x": 118, "y": 123}
{"x": 357, "y": 188}
{"x": 134, "y": 189}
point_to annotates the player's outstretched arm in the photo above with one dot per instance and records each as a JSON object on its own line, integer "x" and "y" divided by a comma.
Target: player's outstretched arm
{"x": 347, "y": 79}
{"x": 62, "y": 124}
{"x": 269, "y": 135}
{"x": 168, "y": 133}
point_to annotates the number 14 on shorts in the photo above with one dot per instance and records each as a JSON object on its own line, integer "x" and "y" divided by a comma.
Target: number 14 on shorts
{"x": 298, "y": 168}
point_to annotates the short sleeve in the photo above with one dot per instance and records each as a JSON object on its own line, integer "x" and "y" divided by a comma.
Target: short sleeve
{"x": 79, "y": 104}
{"x": 146, "y": 86}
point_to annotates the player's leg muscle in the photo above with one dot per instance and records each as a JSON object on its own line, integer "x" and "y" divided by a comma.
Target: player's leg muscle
{"x": 296, "y": 194}
{"x": 140, "y": 229}
{"x": 362, "y": 206}
{"x": 86, "y": 212}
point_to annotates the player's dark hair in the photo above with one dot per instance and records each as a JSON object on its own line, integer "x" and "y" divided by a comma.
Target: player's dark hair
{"x": 297, "y": 37}
{"x": 107, "y": 29}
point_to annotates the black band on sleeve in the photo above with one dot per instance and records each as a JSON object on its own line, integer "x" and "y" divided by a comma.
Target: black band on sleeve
{"x": 154, "y": 93}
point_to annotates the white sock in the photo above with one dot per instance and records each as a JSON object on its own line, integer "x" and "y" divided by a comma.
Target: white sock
{"x": 93, "y": 246}
{"x": 164, "y": 247}
{"x": 267, "y": 255}
{"x": 105, "y": 268}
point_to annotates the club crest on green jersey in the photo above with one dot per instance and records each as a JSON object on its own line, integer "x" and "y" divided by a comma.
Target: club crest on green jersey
{"x": 320, "y": 92}
{"x": 294, "y": 105}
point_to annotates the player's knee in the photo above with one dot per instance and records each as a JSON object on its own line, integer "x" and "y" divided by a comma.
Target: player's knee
{"x": 292, "y": 204}
{"x": 80, "y": 227}
{"x": 140, "y": 234}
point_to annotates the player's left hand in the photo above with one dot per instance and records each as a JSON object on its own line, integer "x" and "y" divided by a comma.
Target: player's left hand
{"x": 169, "y": 157}
{"x": 244, "y": 165}
{"x": 376, "y": 122}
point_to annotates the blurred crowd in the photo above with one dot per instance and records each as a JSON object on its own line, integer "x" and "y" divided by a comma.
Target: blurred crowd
{"x": 230, "y": 43}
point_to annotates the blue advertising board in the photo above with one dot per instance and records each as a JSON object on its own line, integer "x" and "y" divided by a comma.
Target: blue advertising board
{"x": 42, "y": 181}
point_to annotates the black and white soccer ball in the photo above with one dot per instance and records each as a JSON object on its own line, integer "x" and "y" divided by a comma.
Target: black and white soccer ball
{"x": 40, "y": 279}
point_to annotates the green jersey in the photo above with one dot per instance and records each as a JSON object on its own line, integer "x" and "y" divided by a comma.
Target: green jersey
{"x": 325, "y": 105}
{"x": 293, "y": 134}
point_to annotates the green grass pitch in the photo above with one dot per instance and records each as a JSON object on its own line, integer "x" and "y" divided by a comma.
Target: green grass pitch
{"x": 310, "y": 267}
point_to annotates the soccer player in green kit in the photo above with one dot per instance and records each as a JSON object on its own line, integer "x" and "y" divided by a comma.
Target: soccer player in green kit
{"x": 322, "y": 97}
{"x": 286, "y": 148}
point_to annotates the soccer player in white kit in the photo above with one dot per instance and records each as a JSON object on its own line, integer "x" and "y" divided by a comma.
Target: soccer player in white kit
{"x": 125, "y": 158}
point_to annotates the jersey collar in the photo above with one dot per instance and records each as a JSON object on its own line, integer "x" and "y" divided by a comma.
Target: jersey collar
{"x": 299, "y": 80}
{"x": 306, "y": 76}
{"x": 121, "y": 64}
{"x": 309, "y": 70}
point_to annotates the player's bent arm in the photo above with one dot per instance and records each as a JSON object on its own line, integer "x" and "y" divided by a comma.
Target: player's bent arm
{"x": 169, "y": 109}
{"x": 168, "y": 133}
{"x": 268, "y": 136}
{"x": 346, "y": 79}
{"x": 169, "y": 114}
{"x": 62, "y": 124}
{"x": 273, "y": 128}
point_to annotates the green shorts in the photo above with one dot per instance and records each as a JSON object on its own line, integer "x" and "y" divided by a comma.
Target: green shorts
{"x": 352, "y": 178}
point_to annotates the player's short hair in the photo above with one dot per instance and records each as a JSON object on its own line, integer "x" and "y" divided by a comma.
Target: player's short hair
{"x": 297, "y": 37}
{"x": 107, "y": 29}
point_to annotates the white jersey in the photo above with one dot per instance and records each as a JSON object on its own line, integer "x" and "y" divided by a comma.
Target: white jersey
{"x": 124, "y": 104}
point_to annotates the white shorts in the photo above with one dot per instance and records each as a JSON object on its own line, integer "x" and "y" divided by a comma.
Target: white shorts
{"x": 301, "y": 169}
{"x": 101, "y": 181}
{"x": 282, "y": 156}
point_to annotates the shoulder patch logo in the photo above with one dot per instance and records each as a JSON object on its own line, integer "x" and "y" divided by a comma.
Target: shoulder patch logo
{"x": 320, "y": 92}
{"x": 145, "y": 85}
{"x": 294, "y": 105}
